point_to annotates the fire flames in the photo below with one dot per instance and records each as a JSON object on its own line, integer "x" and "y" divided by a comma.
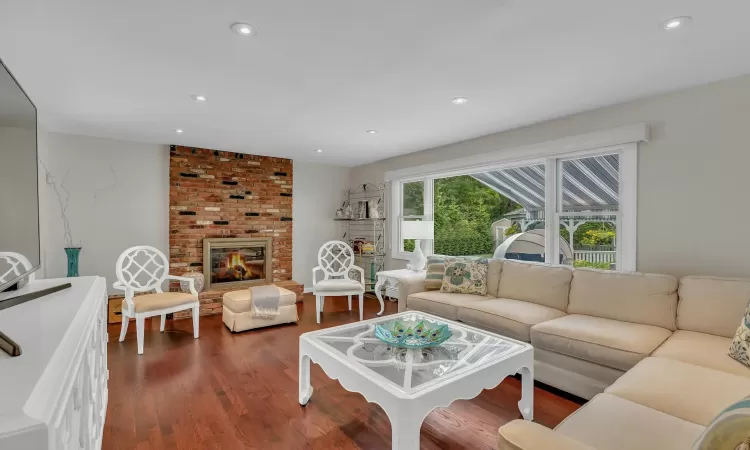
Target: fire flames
{"x": 236, "y": 266}
{"x": 235, "y": 259}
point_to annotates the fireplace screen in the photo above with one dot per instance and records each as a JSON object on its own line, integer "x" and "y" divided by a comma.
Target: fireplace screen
{"x": 236, "y": 262}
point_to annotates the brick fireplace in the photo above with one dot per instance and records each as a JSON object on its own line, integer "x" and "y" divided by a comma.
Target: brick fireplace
{"x": 223, "y": 195}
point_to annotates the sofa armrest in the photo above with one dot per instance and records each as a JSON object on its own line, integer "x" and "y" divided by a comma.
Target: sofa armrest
{"x": 407, "y": 287}
{"x": 525, "y": 435}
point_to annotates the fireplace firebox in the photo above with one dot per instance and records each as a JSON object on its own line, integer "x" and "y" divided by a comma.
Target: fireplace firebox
{"x": 236, "y": 262}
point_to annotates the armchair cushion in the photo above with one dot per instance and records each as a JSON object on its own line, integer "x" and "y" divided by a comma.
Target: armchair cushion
{"x": 153, "y": 302}
{"x": 338, "y": 285}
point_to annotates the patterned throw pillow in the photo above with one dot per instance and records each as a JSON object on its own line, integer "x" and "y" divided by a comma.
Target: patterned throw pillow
{"x": 730, "y": 430}
{"x": 741, "y": 343}
{"x": 465, "y": 276}
{"x": 435, "y": 270}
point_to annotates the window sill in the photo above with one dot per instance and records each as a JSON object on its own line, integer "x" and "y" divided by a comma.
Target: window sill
{"x": 404, "y": 256}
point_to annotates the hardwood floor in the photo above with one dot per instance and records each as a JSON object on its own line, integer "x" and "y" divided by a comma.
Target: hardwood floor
{"x": 234, "y": 391}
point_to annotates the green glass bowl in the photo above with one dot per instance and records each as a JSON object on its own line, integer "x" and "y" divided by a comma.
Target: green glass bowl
{"x": 412, "y": 334}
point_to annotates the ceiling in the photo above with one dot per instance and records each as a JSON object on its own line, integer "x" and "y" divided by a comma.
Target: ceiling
{"x": 318, "y": 74}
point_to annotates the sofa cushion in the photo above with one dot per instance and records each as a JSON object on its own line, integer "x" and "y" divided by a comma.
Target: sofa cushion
{"x": 494, "y": 270}
{"x": 527, "y": 435}
{"x": 513, "y": 318}
{"x": 435, "y": 270}
{"x": 648, "y": 299}
{"x": 739, "y": 350}
{"x": 702, "y": 349}
{"x": 712, "y": 305}
{"x": 574, "y": 375}
{"x": 441, "y": 303}
{"x": 539, "y": 283}
{"x": 680, "y": 389}
{"x": 608, "y": 342}
{"x": 609, "y": 422}
{"x": 465, "y": 276}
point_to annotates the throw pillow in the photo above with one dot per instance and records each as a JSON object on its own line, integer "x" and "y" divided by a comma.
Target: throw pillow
{"x": 434, "y": 277}
{"x": 730, "y": 430}
{"x": 465, "y": 276}
{"x": 741, "y": 343}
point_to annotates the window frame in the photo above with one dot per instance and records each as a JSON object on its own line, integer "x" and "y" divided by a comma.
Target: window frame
{"x": 397, "y": 206}
{"x": 626, "y": 215}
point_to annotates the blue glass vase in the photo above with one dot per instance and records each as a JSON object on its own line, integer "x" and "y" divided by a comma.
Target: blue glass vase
{"x": 73, "y": 253}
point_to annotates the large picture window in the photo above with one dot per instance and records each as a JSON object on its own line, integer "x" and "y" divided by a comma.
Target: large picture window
{"x": 576, "y": 209}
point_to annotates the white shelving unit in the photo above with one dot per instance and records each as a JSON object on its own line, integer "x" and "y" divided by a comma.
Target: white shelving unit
{"x": 366, "y": 229}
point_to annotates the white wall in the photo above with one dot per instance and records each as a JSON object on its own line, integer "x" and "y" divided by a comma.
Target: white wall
{"x": 108, "y": 214}
{"x": 693, "y": 171}
{"x": 119, "y": 197}
{"x": 318, "y": 192}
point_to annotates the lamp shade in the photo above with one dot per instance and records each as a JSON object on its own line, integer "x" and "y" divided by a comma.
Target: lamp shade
{"x": 424, "y": 229}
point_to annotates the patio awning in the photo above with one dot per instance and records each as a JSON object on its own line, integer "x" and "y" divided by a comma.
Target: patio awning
{"x": 589, "y": 184}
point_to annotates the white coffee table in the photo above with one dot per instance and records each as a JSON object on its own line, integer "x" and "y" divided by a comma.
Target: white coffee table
{"x": 408, "y": 384}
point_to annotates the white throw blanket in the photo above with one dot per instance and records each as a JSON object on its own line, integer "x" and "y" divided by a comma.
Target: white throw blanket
{"x": 265, "y": 301}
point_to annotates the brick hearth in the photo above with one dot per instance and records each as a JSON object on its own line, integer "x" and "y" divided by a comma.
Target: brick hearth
{"x": 222, "y": 194}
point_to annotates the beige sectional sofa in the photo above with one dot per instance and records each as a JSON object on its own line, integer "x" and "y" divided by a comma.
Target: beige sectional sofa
{"x": 648, "y": 351}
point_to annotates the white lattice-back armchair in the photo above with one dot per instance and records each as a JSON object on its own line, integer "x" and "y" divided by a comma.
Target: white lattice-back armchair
{"x": 13, "y": 265}
{"x": 144, "y": 269}
{"x": 336, "y": 261}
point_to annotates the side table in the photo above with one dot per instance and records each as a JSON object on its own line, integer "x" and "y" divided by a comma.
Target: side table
{"x": 391, "y": 278}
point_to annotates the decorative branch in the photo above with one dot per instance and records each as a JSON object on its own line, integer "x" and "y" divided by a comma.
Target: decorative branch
{"x": 63, "y": 203}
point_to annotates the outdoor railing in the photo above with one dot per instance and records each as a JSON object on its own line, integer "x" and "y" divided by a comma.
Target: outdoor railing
{"x": 594, "y": 256}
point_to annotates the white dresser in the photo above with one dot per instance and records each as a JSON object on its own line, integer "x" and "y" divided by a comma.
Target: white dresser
{"x": 54, "y": 396}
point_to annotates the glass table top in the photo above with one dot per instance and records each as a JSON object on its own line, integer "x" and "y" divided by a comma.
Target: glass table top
{"x": 412, "y": 370}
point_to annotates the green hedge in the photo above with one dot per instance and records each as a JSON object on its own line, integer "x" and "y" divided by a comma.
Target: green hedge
{"x": 463, "y": 244}
{"x": 582, "y": 263}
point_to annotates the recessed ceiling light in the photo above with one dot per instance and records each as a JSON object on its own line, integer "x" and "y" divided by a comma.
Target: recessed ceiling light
{"x": 318, "y": 150}
{"x": 459, "y": 100}
{"x": 372, "y": 131}
{"x": 198, "y": 98}
{"x": 242, "y": 28}
{"x": 178, "y": 131}
{"x": 675, "y": 22}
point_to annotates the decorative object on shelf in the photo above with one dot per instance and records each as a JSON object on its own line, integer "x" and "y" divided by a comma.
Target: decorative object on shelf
{"x": 365, "y": 201}
{"x": 198, "y": 282}
{"x": 411, "y": 334}
{"x": 340, "y": 213}
{"x": 372, "y": 208}
{"x": 73, "y": 254}
{"x": 418, "y": 230}
{"x": 357, "y": 244}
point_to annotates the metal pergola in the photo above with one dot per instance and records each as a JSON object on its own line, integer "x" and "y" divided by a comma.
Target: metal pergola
{"x": 590, "y": 186}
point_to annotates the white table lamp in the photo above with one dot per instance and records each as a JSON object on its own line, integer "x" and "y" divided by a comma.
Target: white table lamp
{"x": 417, "y": 230}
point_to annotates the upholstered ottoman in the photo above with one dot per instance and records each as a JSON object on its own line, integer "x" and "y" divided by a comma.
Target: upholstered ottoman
{"x": 237, "y": 313}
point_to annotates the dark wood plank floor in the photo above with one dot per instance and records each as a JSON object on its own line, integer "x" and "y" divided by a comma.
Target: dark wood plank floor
{"x": 234, "y": 391}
